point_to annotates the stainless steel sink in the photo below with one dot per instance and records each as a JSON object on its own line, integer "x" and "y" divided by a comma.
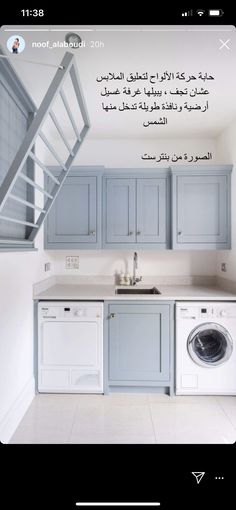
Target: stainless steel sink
{"x": 136, "y": 290}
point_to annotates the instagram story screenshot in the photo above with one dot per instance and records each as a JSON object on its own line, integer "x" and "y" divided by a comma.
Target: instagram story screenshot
{"x": 118, "y": 258}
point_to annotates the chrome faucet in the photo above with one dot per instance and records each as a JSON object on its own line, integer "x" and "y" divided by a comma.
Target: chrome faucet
{"x": 135, "y": 278}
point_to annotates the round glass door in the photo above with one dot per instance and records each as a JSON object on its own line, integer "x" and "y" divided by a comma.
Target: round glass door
{"x": 209, "y": 345}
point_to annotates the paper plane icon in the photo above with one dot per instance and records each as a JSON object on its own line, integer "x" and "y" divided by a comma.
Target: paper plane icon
{"x": 198, "y": 475}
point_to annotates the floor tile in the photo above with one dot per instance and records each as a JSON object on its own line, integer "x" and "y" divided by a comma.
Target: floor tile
{"x": 47, "y": 420}
{"x": 127, "y": 398}
{"x": 94, "y": 438}
{"x": 228, "y": 404}
{"x": 29, "y": 434}
{"x": 191, "y": 424}
{"x": 156, "y": 398}
{"x": 44, "y": 400}
{"x": 113, "y": 399}
{"x": 113, "y": 423}
{"x": 128, "y": 418}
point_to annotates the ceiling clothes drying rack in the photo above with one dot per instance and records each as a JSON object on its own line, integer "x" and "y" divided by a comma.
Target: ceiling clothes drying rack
{"x": 67, "y": 68}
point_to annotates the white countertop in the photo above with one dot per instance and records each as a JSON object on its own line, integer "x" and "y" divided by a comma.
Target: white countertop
{"x": 85, "y": 292}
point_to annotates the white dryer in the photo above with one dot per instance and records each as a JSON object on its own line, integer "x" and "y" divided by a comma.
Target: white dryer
{"x": 206, "y": 348}
{"x": 70, "y": 347}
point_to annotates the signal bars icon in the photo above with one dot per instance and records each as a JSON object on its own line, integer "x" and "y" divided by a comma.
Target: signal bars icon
{"x": 187, "y": 13}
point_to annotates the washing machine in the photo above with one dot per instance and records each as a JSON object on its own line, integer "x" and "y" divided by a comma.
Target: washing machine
{"x": 206, "y": 348}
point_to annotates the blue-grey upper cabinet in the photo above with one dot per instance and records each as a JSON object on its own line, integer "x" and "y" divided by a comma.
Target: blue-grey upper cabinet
{"x": 151, "y": 210}
{"x": 201, "y": 207}
{"x": 120, "y": 211}
{"x": 136, "y": 210}
{"x": 74, "y": 220}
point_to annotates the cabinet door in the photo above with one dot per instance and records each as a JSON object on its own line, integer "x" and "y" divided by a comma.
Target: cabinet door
{"x": 151, "y": 210}
{"x": 139, "y": 342}
{"x": 120, "y": 210}
{"x": 73, "y": 217}
{"x": 201, "y": 211}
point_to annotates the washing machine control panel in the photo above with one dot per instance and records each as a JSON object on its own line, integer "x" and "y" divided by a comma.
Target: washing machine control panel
{"x": 223, "y": 313}
{"x": 196, "y": 312}
{"x": 207, "y": 311}
{"x": 228, "y": 311}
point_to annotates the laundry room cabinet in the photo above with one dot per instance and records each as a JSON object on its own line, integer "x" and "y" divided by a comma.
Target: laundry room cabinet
{"x": 74, "y": 220}
{"x": 201, "y": 207}
{"x": 180, "y": 208}
{"x": 139, "y": 344}
{"x": 136, "y": 210}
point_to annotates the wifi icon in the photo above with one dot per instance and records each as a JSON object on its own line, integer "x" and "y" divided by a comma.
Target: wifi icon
{"x": 200, "y": 12}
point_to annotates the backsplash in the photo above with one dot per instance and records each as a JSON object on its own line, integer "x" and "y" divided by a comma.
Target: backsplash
{"x": 166, "y": 263}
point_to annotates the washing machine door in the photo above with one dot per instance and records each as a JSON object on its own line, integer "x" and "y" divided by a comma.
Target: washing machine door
{"x": 209, "y": 345}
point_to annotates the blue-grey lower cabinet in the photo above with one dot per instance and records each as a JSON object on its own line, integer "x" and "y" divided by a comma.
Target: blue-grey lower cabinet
{"x": 139, "y": 345}
{"x": 74, "y": 220}
{"x": 201, "y": 207}
{"x": 136, "y": 210}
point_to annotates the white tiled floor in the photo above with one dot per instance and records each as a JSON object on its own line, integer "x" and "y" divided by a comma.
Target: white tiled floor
{"x": 128, "y": 418}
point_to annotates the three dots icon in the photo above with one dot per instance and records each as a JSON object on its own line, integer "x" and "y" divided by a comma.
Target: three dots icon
{"x": 219, "y": 477}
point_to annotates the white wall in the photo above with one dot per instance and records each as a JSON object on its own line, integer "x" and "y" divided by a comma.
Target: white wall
{"x": 226, "y": 153}
{"x": 127, "y": 152}
{"x": 18, "y": 272}
{"x": 158, "y": 263}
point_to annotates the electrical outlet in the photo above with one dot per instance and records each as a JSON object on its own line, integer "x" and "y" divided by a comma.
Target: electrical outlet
{"x": 72, "y": 262}
{"x": 223, "y": 267}
{"x": 47, "y": 266}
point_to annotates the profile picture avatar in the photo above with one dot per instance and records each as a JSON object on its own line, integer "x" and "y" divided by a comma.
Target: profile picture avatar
{"x": 16, "y": 44}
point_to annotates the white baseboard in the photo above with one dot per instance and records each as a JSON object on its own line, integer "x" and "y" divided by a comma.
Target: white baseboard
{"x": 12, "y": 418}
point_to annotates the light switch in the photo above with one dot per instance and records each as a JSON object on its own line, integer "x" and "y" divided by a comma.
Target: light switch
{"x": 72, "y": 262}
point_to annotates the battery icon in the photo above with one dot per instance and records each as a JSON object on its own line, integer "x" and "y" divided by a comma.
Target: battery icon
{"x": 215, "y": 12}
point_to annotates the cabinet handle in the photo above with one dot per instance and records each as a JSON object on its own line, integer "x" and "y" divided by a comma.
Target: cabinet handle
{"x": 180, "y": 232}
{"x": 92, "y": 233}
{"x": 138, "y": 233}
{"x": 112, "y": 316}
{"x": 130, "y": 233}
